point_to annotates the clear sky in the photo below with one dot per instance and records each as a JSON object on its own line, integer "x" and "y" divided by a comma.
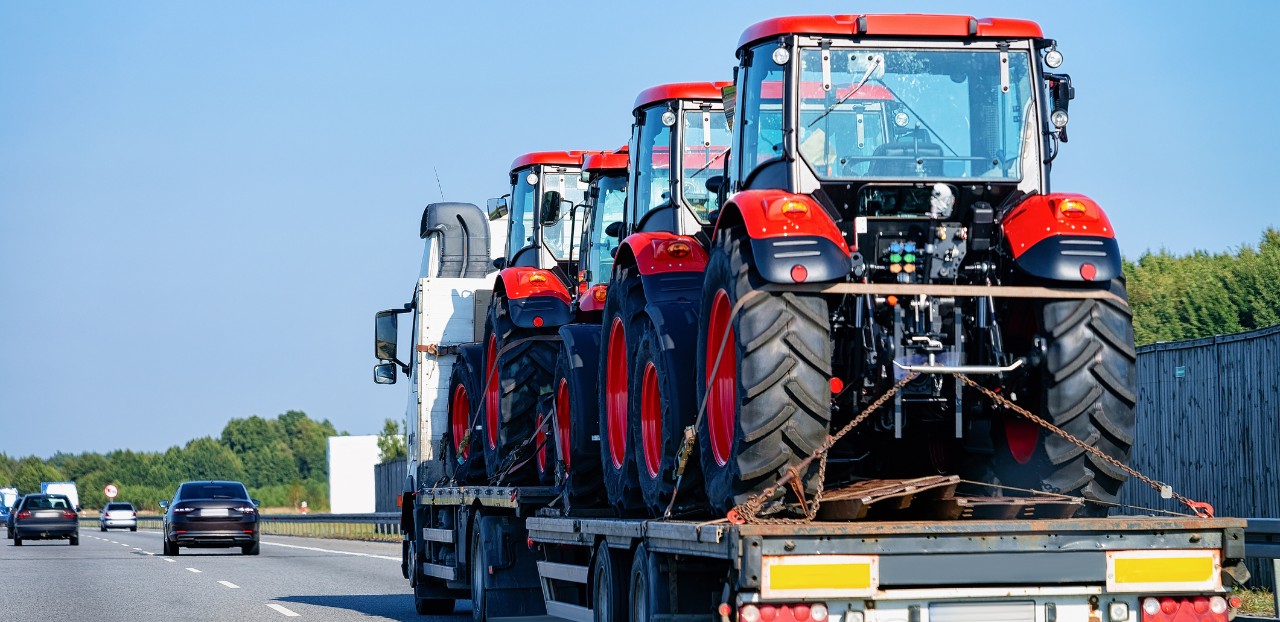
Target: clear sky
{"x": 203, "y": 204}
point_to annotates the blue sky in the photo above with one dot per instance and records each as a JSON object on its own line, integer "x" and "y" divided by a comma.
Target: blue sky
{"x": 203, "y": 204}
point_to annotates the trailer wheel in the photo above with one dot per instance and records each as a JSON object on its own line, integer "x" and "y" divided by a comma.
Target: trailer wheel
{"x": 769, "y": 399}
{"x": 1085, "y": 386}
{"x": 624, "y": 302}
{"x": 649, "y": 594}
{"x": 657, "y": 422}
{"x": 513, "y": 382}
{"x": 609, "y": 585}
{"x": 465, "y": 392}
{"x": 479, "y": 565}
{"x": 576, "y": 422}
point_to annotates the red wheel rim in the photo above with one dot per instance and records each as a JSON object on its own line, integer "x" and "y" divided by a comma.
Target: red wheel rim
{"x": 458, "y": 419}
{"x": 721, "y": 381}
{"x": 540, "y": 441}
{"x": 562, "y": 421}
{"x": 491, "y": 394}
{"x": 651, "y": 420}
{"x": 615, "y": 394}
{"x": 1021, "y": 434}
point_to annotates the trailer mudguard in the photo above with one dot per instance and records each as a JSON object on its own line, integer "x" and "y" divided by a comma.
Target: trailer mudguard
{"x": 536, "y": 298}
{"x": 1062, "y": 237}
{"x": 670, "y": 265}
{"x": 793, "y": 239}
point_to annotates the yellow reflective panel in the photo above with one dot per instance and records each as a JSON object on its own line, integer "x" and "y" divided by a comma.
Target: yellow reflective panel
{"x": 820, "y": 576}
{"x": 1164, "y": 570}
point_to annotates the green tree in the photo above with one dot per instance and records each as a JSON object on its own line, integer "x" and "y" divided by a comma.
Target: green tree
{"x": 30, "y": 471}
{"x": 391, "y": 442}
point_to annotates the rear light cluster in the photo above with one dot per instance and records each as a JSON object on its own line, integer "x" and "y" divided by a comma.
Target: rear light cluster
{"x": 68, "y": 514}
{"x": 25, "y": 514}
{"x": 247, "y": 510}
{"x": 183, "y": 510}
{"x": 797, "y": 612}
{"x": 1184, "y": 609}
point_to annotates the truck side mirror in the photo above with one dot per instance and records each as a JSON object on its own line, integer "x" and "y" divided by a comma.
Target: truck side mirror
{"x": 384, "y": 373}
{"x": 497, "y": 208}
{"x": 385, "y": 331}
{"x": 551, "y": 200}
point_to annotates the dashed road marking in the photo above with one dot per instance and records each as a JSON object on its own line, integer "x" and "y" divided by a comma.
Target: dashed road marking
{"x": 168, "y": 560}
{"x": 312, "y": 548}
{"x": 284, "y": 610}
{"x": 137, "y": 548}
{"x": 193, "y": 570}
{"x": 230, "y": 585}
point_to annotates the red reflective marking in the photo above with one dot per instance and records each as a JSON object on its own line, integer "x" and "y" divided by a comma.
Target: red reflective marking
{"x": 1088, "y": 271}
{"x": 1022, "y": 435}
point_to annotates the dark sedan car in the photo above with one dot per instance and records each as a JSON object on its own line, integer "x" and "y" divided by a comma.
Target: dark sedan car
{"x": 211, "y": 514}
{"x": 45, "y": 517}
{"x": 8, "y": 518}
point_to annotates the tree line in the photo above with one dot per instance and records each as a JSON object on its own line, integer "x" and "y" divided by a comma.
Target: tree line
{"x": 283, "y": 461}
{"x": 1200, "y": 294}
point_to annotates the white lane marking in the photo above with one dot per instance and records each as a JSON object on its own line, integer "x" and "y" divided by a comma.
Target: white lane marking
{"x": 312, "y": 548}
{"x": 193, "y": 570}
{"x": 285, "y": 611}
{"x": 168, "y": 560}
{"x": 230, "y": 585}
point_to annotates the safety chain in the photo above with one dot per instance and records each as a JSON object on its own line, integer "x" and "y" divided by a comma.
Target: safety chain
{"x": 1202, "y": 509}
{"x": 749, "y": 510}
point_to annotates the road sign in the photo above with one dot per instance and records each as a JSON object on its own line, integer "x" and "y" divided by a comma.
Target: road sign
{"x": 110, "y": 491}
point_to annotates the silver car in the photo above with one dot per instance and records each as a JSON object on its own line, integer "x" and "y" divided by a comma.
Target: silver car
{"x": 119, "y": 515}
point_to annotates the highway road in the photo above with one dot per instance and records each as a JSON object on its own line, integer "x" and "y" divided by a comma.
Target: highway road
{"x": 121, "y": 575}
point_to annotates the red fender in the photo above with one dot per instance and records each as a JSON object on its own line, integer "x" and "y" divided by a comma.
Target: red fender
{"x": 522, "y": 282}
{"x": 778, "y": 213}
{"x": 1043, "y": 216}
{"x": 659, "y": 251}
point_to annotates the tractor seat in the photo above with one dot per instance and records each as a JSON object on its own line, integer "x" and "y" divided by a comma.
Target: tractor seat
{"x": 908, "y": 151}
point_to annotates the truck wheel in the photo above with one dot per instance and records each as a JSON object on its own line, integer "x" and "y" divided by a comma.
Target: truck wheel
{"x": 544, "y": 441}
{"x": 658, "y": 419}
{"x": 464, "y": 407}
{"x": 609, "y": 585}
{"x": 1085, "y": 386}
{"x": 649, "y": 594}
{"x": 769, "y": 405}
{"x": 576, "y": 421}
{"x": 624, "y": 302}
{"x": 513, "y": 382}
{"x": 478, "y": 564}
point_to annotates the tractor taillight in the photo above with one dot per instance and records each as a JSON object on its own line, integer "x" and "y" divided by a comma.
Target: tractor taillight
{"x": 679, "y": 250}
{"x": 1072, "y": 208}
{"x": 794, "y": 209}
{"x": 537, "y": 321}
{"x": 600, "y": 294}
{"x": 1088, "y": 271}
{"x": 537, "y": 278}
{"x": 799, "y": 273}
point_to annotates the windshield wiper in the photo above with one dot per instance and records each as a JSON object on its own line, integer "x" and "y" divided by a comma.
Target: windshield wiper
{"x": 866, "y": 76}
{"x": 709, "y": 163}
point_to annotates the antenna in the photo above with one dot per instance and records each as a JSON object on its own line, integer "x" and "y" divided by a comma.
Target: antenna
{"x": 438, "y": 184}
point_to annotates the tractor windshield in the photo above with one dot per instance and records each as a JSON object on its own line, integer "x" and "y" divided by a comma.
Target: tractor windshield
{"x": 706, "y": 142}
{"x": 558, "y": 237}
{"x": 609, "y": 209}
{"x": 885, "y": 113}
{"x": 523, "y": 203}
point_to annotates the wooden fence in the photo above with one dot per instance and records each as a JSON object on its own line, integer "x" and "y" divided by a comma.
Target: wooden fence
{"x": 1209, "y": 425}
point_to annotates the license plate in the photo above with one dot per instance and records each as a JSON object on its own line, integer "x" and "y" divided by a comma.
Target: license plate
{"x": 214, "y": 512}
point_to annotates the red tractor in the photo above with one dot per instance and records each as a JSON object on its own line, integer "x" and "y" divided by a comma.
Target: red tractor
{"x": 645, "y": 397}
{"x": 886, "y": 211}
{"x": 531, "y": 300}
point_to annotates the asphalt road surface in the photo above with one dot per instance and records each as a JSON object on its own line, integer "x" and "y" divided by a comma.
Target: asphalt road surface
{"x": 122, "y": 575}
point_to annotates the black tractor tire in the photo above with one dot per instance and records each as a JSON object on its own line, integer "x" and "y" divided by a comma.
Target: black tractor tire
{"x": 466, "y": 395}
{"x": 544, "y": 461}
{"x": 576, "y": 424}
{"x": 625, "y": 302}
{"x": 658, "y": 418}
{"x": 1086, "y": 385}
{"x": 775, "y": 407}
{"x": 523, "y": 373}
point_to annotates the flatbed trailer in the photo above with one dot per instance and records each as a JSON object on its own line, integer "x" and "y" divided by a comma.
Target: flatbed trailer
{"x": 514, "y": 553}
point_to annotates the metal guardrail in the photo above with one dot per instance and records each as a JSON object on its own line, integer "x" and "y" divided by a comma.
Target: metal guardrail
{"x": 376, "y": 526}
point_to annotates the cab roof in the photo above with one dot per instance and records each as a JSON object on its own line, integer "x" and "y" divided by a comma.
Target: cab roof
{"x": 904, "y": 25}
{"x": 560, "y": 158}
{"x": 680, "y": 90}
{"x": 606, "y": 160}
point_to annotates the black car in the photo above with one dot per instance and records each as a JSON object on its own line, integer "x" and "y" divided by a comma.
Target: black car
{"x": 45, "y": 517}
{"x": 216, "y": 514}
{"x": 8, "y": 519}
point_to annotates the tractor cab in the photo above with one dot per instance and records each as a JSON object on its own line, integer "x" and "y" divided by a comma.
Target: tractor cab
{"x": 545, "y": 189}
{"x": 679, "y": 141}
{"x": 606, "y": 177}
